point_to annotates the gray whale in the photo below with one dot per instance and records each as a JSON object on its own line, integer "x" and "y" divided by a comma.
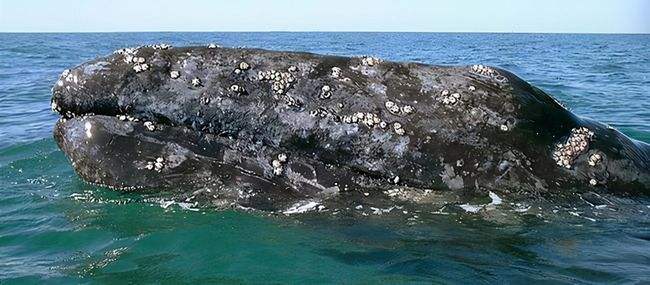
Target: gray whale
{"x": 256, "y": 128}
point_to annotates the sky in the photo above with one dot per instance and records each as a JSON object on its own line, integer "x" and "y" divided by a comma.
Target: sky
{"x": 547, "y": 16}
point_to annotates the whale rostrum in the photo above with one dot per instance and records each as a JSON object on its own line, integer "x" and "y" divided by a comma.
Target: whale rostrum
{"x": 258, "y": 126}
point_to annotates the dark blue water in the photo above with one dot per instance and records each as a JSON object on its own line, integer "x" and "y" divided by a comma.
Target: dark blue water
{"x": 55, "y": 228}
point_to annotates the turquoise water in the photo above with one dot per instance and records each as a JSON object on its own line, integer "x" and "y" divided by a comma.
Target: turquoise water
{"x": 56, "y": 229}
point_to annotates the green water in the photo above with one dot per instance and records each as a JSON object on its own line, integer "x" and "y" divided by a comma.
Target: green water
{"x": 54, "y": 228}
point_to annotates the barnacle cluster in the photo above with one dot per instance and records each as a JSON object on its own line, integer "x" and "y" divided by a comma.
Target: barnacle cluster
{"x": 243, "y": 66}
{"x": 150, "y": 126}
{"x": 281, "y": 81}
{"x": 369, "y": 119}
{"x": 174, "y": 74}
{"x": 320, "y": 112}
{"x": 595, "y": 159}
{"x": 278, "y": 163}
{"x": 576, "y": 144}
{"x": 196, "y": 82}
{"x": 140, "y": 67}
{"x": 326, "y": 92}
{"x": 55, "y": 107}
{"x": 237, "y": 89}
{"x": 395, "y": 109}
{"x": 336, "y": 72}
{"x": 292, "y": 102}
{"x": 156, "y": 165}
{"x": 397, "y": 127}
{"x": 488, "y": 71}
{"x": 128, "y": 118}
{"x": 126, "y": 51}
{"x": 64, "y": 75}
{"x": 130, "y": 57}
{"x": 449, "y": 98}
{"x": 483, "y": 70}
{"x": 212, "y": 45}
{"x": 370, "y": 61}
{"x": 161, "y": 46}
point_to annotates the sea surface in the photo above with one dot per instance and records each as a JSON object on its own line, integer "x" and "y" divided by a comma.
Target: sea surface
{"x": 54, "y": 228}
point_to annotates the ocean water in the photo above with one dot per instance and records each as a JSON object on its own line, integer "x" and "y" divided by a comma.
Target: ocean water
{"x": 54, "y": 228}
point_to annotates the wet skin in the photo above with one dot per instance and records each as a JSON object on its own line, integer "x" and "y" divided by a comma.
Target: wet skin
{"x": 255, "y": 127}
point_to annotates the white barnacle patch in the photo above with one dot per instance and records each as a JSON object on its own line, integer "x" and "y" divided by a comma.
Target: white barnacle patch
{"x": 278, "y": 163}
{"x": 174, "y": 74}
{"x": 368, "y": 119}
{"x": 158, "y": 164}
{"x": 483, "y": 70}
{"x": 138, "y": 62}
{"x": 205, "y": 100}
{"x": 577, "y": 143}
{"x": 336, "y": 72}
{"x": 358, "y": 117}
{"x": 212, "y": 46}
{"x": 140, "y": 67}
{"x": 161, "y": 46}
{"x": 407, "y": 109}
{"x": 54, "y": 106}
{"x": 449, "y": 98}
{"x": 326, "y": 92}
{"x": 237, "y": 89}
{"x": 292, "y": 68}
{"x": 391, "y": 107}
{"x": 488, "y": 71}
{"x": 397, "y": 127}
{"x": 150, "y": 126}
{"x": 196, "y": 82}
{"x": 504, "y": 128}
{"x": 88, "y": 126}
{"x": 244, "y": 66}
{"x": 395, "y": 109}
{"x": 593, "y": 182}
{"x": 471, "y": 88}
{"x": 65, "y": 73}
{"x": 280, "y": 81}
{"x": 130, "y": 57}
{"x": 595, "y": 159}
{"x": 370, "y": 61}
{"x": 68, "y": 76}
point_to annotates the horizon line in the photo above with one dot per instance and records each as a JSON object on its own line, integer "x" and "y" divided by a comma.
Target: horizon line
{"x": 326, "y": 31}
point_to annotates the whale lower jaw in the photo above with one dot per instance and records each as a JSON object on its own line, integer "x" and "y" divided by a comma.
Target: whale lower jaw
{"x": 128, "y": 155}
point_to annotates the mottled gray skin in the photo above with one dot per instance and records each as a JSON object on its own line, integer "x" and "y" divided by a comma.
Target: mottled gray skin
{"x": 499, "y": 136}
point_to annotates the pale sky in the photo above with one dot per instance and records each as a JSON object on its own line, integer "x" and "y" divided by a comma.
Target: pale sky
{"x": 549, "y": 16}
